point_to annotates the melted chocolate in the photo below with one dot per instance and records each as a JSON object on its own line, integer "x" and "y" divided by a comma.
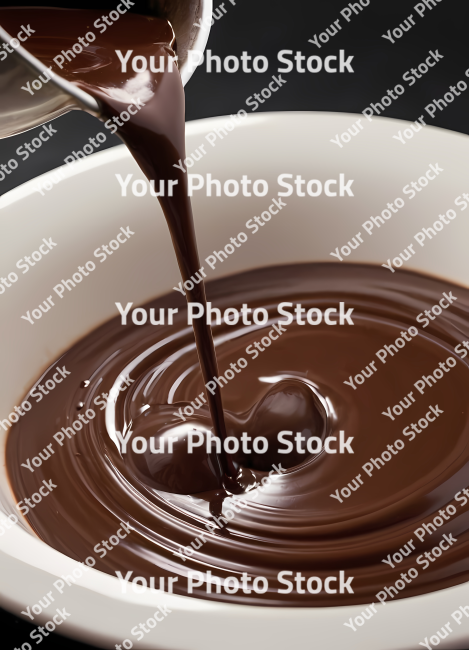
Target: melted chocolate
{"x": 155, "y": 135}
{"x": 294, "y": 524}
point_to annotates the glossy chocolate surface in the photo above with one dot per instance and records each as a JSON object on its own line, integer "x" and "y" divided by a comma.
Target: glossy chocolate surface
{"x": 172, "y": 500}
{"x": 293, "y": 524}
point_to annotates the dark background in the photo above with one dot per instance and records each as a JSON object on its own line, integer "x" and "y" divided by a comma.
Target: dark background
{"x": 264, "y": 27}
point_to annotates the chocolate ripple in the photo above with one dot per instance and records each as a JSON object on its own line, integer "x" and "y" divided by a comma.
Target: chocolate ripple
{"x": 290, "y": 523}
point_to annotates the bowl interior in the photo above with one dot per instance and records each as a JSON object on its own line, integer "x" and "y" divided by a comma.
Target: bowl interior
{"x": 86, "y": 208}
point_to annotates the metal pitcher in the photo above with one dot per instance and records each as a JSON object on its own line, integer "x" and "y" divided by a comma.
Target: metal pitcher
{"x": 20, "y": 111}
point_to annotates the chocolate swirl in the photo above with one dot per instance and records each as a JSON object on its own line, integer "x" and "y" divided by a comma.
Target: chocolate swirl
{"x": 291, "y": 524}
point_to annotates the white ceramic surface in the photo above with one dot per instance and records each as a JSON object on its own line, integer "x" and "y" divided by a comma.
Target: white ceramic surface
{"x": 86, "y": 209}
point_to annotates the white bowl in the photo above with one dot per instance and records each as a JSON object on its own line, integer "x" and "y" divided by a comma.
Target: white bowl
{"x": 85, "y": 210}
